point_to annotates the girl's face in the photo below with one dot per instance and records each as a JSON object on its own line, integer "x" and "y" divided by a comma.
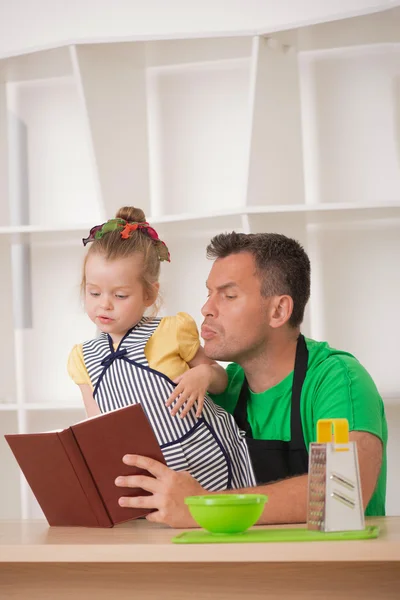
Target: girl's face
{"x": 115, "y": 297}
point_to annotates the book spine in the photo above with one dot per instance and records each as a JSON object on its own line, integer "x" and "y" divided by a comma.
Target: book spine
{"x": 85, "y": 477}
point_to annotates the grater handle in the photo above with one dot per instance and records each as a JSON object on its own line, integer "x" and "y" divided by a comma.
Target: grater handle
{"x": 340, "y": 431}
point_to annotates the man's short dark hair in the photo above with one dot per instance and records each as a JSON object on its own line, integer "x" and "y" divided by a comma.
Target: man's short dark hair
{"x": 281, "y": 262}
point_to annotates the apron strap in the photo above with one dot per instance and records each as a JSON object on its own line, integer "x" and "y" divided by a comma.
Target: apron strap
{"x": 300, "y": 370}
{"x": 240, "y": 412}
{"x": 299, "y": 375}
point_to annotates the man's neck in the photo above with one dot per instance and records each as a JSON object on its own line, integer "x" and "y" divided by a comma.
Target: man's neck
{"x": 274, "y": 364}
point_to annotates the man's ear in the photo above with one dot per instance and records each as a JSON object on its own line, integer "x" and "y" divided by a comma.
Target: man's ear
{"x": 150, "y": 294}
{"x": 280, "y": 311}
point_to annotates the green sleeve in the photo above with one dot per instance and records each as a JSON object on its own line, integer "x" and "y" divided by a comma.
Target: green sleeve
{"x": 228, "y": 399}
{"x": 345, "y": 389}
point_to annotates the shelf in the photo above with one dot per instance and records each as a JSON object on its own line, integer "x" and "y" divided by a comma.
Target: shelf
{"x": 376, "y": 32}
{"x": 115, "y": 121}
{"x": 32, "y": 229}
{"x": 375, "y": 29}
{"x": 200, "y": 219}
{"x": 349, "y": 52}
{"x": 173, "y": 23}
{"x": 39, "y": 66}
{"x": 49, "y": 155}
{"x": 196, "y": 52}
{"x": 354, "y": 270}
{"x": 10, "y": 502}
{"x": 333, "y": 206}
{"x": 5, "y": 209}
{"x": 350, "y": 144}
{"x": 8, "y": 309}
{"x": 38, "y": 406}
{"x": 274, "y": 143}
{"x": 205, "y": 133}
{"x": 50, "y": 406}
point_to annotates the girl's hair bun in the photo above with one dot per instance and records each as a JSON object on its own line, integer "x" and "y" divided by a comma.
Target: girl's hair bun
{"x": 131, "y": 214}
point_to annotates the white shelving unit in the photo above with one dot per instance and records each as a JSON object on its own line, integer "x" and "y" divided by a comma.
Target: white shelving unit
{"x": 297, "y": 133}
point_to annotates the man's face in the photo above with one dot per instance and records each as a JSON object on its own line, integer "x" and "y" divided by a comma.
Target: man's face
{"x": 236, "y": 316}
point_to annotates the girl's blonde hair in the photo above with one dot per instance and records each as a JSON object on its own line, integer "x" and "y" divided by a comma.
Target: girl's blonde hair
{"x": 112, "y": 246}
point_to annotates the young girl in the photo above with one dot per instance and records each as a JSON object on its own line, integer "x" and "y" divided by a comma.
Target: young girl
{"x": 138, "y": 359}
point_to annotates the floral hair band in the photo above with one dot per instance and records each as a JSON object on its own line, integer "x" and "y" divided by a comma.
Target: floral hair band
{"x": 127, "y": 228}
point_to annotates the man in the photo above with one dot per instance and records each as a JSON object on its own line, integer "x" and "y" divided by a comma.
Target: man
{"x": 279, "y": 384}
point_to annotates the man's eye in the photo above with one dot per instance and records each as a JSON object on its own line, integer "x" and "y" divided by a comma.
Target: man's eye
{"x": 230, "y": 297}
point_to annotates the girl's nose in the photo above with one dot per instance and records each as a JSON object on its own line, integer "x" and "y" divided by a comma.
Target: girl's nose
{"x": 105, "y": 302}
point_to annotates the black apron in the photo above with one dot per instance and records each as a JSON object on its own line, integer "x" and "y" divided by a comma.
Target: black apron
{"x": 275, "y": 459}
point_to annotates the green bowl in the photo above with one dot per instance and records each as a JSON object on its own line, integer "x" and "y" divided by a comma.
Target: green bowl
{"x": 226, "y": 513}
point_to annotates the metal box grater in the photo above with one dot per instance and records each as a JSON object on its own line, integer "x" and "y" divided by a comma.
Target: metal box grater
{"x": 334, "y": 491}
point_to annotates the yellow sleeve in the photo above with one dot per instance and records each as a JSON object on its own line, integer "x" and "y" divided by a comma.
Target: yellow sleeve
{"x": 76, "y": 366}
{"x": 187, "y": 336}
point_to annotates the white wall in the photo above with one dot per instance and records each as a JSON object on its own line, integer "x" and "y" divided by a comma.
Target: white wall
{"x": 28, "y": 24}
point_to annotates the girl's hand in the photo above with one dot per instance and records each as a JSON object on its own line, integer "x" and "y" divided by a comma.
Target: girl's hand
{"x": 191, "y": 389}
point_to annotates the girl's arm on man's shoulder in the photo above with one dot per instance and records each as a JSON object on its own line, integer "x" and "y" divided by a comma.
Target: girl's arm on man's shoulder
{"x": 218, "y": 379}
{"x": 204, "y": 375}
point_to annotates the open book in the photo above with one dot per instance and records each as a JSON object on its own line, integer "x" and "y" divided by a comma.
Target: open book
{"x": 72, "y": 471}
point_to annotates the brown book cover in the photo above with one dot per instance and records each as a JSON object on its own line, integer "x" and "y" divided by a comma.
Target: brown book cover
{"x": 72, "y": 471}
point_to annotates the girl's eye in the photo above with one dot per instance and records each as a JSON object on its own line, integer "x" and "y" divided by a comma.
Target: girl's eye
{"x": 120, "y": 296}
{"x": 94, "y": 293}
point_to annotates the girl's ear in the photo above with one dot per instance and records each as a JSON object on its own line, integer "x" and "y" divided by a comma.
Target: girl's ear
{"x": 151, "y": 293}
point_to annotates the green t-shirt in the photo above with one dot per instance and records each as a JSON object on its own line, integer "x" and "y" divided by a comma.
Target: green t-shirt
{"x": 336, "y": 386}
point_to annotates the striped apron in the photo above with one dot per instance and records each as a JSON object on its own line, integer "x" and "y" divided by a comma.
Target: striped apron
{"x": 212, "y": 448}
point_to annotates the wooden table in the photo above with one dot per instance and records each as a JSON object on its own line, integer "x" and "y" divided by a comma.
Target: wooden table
{"x": 138, "y": 560}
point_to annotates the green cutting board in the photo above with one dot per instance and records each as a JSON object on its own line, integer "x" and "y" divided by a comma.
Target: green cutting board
{"x": 273, "y": 535}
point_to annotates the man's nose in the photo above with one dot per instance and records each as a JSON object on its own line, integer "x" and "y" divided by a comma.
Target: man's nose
{"x": 209, "y": 309}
